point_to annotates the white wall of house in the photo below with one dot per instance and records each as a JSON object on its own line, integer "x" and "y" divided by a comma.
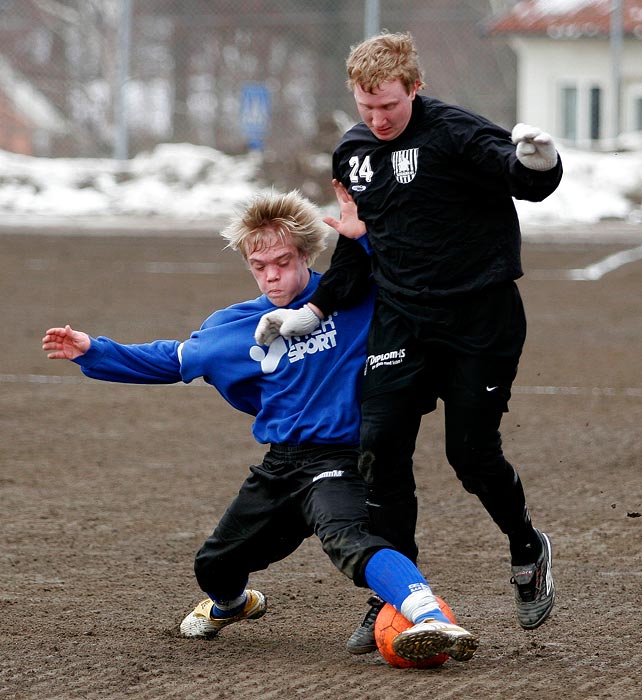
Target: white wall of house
{"x": 566, "y": 87}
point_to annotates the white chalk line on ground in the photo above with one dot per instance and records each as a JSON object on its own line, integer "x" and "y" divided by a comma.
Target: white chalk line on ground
{"x": 594, "y": 272}
{"x": 590, "y": 273}
{"x": 631, "y": 392}
{"x": 191, "y": 268}
{"x": 154, "y": 267}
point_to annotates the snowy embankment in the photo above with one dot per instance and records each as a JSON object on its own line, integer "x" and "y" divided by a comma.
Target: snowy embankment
{"x": 182, "y": 185}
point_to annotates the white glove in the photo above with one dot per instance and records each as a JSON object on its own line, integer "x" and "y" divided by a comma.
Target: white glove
{"x": 535, "y": 148}
{"x": 285, "y": 322}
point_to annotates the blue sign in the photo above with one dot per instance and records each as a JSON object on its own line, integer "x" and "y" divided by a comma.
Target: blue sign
{"x": 256, "y": 109}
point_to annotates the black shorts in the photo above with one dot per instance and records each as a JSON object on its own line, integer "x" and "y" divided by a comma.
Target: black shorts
{"x": 460, "y": 349}
{"x": 294, "y": 493}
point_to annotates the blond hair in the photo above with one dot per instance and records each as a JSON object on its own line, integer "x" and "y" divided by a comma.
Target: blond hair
{"x": 289, "y": 216}
{"x": 383, "y": 58}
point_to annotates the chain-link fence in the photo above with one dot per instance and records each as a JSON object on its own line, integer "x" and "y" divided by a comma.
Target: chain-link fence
{"x": 110, "y": 78}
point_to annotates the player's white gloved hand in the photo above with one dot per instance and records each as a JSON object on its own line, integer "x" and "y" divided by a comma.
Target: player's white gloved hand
{"x": 535, "y": 148}
{"x": 285, "y": 322}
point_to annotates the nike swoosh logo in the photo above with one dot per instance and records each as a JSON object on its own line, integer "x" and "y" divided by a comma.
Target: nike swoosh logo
{"x": 491, "y": 388}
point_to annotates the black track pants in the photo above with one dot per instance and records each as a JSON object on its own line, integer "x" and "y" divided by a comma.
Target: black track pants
{"x": 296, "y": 492}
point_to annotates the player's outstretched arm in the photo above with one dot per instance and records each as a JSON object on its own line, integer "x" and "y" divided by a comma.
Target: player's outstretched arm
{"x": 65, "y": 343}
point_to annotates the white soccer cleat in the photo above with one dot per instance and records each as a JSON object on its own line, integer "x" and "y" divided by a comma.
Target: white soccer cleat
{"x": 199, "y": 623}
{"x": 433, "y": 637}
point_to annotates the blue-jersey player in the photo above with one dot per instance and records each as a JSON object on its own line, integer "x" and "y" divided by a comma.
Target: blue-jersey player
{"x": 304, "y": 395}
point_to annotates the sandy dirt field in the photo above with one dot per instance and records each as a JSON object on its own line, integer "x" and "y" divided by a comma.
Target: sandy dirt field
{"x": 107, "y": 491}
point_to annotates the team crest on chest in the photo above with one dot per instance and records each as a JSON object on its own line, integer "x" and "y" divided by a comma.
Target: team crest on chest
{"x": 404, "y": 164}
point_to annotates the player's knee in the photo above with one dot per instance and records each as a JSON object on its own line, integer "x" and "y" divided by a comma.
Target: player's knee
{"x": 205, "y": 569}
{"x": 487, "y": 478}
{"x": 392, "y": 495}
{"x": 219, "y": 578}
{"x": 471, "y": 457}
{"x": 366, "y": 461}
{"x": 386, "y": 474}
{"x": 346, "y": 549}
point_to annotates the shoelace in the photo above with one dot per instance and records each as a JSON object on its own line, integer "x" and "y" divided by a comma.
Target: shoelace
{"x": 528, "y": 591}
{"x": 375, "y": 606}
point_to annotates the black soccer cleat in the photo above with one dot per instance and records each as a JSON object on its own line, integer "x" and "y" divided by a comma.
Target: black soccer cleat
{"x": 535, "y": 588}
{"x": 362, "y": 640}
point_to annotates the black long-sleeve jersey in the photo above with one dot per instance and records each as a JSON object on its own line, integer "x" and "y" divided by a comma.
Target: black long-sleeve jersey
{"x": 437, "y": 202}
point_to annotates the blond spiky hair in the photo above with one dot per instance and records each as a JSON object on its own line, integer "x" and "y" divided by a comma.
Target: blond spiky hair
{"x": 292, "y": 217}
{"x": 383, "y": 58}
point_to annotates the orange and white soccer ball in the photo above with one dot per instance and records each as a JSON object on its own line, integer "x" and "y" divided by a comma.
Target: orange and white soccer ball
{"x": 390, "y": 623}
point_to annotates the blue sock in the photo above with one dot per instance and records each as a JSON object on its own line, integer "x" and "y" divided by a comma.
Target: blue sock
{"x": 393, "y": 577}
{"x": 228, "y": 608}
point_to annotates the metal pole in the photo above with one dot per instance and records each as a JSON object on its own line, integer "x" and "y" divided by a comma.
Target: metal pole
{"x": 121, "y": 141}
{"x": 371, "y": 24}
{"x": 616, "y": 39}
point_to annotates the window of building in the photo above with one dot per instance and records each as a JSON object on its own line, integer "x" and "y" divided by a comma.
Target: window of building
{"x": 595, "y": 109}
{"x": 637, "y": 125}
{"x": 569, "y": 113}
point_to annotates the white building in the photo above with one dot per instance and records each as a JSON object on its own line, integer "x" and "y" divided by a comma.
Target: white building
{"x": 579, "y": 67}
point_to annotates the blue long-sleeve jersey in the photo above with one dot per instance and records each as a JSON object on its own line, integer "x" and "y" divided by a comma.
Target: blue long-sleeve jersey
{"x": 300, "y": 390}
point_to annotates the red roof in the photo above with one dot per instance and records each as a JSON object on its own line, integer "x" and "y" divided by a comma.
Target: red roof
{"x": 562, "y": 19}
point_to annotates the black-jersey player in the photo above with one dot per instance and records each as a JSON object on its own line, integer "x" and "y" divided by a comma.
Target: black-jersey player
{"x": 433, "y": 185}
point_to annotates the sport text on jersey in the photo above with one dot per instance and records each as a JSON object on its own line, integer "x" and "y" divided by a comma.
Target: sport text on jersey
{"x": 296, "y": 348}
{"x": 322, "y": 339}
